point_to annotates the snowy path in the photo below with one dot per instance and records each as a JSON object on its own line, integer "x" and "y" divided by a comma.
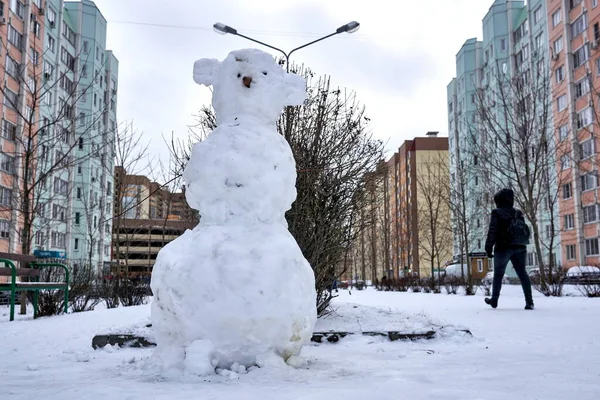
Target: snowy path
{"x": 550, "y": 353}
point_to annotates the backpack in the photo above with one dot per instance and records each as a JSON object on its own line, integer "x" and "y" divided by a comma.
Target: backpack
{"x": 518, "y": 232}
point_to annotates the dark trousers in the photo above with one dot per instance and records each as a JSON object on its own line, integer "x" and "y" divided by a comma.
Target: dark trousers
{"x": 518, "y": 256}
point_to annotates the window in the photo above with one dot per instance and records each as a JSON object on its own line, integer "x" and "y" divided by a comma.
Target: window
{"x": 561, "y": 102}
{"x": 569, "y": 221}
{"x": 589, "y": 214}
{"x": 78, "y": 193}
{"x": 588, "y": 181}
{"x": 574, "y": 3}
{"x": 107, "y": 250}
{"x": 61, "y": 186}
{"x": 537, "y": 15}
{"x": 66, "y": 84}
{"x": 582, "y": 87}
{"x": 39, "y": 238}
{"x": 479, "y": 265}
{"x": 564, "y": 162}
{"x": 12, "y": 68}
{"x": 10, "y": 99}
{"x": 35, "y": 56}
{"x": 531, "y": 259}
{"x": 79, "y": 169}
{"x": 67, "y": 58}
{"x": 51, "y": 43}
{"x": 9, "y": 130}
{"x": 503, "y": 44}
{"x": 15, "y": 37}
{"x": 18, "y": 8}
{"x": 591, "y": 247}
{"x": 556, "y": 18}
{"x": 4, "y": 229}
{"x": 476, "y": 180}
{"x": 478, "y": 223}
{"x": 567, "y": 191}
{"x": 579, "y": 25}
{"x": 585, "y": 117}
{"x": 587, "y": 148}
{"x": 581, "y": 55}
{"x": 76, "y": 244}
{"x": 7, "y": 163}
{"x": 86, "y": 46}
{"x": 570, "y": 251}
{"x": 80, "y": 143}
{"x": 558, "y": 45}
{"x": 84, "y": 71}
{"x": 77, "y": 218}
{"x": 594, "y": 3}
{"x": 58, "y": 212}
{"x": 6, "y": 196}
{"x": 521, "y": 31}
{"x": 563, "y": 132}
{"x": 68, "y": 33}
{"x": 58, "y": 240}
{"x": 51, "y": 16}
{"x": 539, "y": 41}
{"x": 48, "y": 70}
{"x": 560, "y": 74}
{"x": 549, "y": 232}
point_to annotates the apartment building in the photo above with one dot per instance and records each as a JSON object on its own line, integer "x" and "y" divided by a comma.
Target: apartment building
{"x": 515, "y": 44}
{"x": 403, "y": 198}
{"x": 77, "y": 104}
{"x": 574, "y": 37}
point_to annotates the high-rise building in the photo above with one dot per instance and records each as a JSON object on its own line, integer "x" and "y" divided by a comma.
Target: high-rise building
{"x": 21, "y": 43}
{"x": 78, "y": 105}
{"x": 514, "y": 45}
{"x": 574, "y": 41}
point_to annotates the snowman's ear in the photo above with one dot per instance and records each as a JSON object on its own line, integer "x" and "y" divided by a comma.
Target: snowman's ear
{"x": 205, "y": 71}
{"x": 295, "y": 86}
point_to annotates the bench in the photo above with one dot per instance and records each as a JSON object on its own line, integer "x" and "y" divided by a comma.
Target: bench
{"x": 34, "y": 273}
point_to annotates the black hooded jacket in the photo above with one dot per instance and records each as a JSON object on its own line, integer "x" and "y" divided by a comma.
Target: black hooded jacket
{"x": 500, "y": 220}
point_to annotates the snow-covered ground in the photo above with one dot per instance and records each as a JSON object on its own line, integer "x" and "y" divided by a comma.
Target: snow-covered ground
{"x": 550, "y": 353}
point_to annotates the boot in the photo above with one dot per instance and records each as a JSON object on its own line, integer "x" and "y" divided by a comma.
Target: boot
{"x": 493, "y": 301}
{"x": 529, "y": 305}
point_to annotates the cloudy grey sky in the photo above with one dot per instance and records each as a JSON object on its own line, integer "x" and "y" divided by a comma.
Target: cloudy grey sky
{"x": 399, "y": 62}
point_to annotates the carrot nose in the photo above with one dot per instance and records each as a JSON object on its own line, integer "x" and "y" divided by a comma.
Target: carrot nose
{"x": 247, "y": 81}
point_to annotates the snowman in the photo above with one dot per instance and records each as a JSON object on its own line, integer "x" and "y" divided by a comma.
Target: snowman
{"x": 236, "y": 291}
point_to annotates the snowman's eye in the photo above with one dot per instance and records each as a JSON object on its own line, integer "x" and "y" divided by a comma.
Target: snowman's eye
{"x": 264, "y": 73}
{"x": 239, "y": 75}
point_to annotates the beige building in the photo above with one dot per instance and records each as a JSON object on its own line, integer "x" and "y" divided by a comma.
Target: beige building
{"x": 405, "y": 214}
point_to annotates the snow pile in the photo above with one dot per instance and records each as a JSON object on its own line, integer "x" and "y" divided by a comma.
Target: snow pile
{"x": 236, "y": 291}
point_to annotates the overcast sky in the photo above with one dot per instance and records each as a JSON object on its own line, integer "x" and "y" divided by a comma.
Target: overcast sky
{"x": 399, "y": 62}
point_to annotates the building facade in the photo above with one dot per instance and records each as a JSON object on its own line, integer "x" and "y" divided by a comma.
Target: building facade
{"x": 514, "y": 51}
{"x": 78, "y": 107}
{"x": 405, "y": 217}
{"x": 574, "y": 39}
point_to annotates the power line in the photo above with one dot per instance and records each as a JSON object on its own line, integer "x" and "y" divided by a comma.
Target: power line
{"x": 253, "y": 31}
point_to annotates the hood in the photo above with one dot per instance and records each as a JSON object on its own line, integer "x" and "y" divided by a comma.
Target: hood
{"x": 505, "y": 198}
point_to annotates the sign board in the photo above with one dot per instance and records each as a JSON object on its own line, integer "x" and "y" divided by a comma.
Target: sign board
{"x": 50, "y": 254}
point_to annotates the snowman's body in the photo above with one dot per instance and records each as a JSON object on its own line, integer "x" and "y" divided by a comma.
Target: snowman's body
{"x": 237, "y": 287}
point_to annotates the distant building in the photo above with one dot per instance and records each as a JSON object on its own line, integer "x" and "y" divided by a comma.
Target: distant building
{"x": 147, "y": 217}
{"x": 395, "y": 240}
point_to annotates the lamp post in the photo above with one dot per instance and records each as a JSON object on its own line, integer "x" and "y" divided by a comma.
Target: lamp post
{"x": 223, "y": 29}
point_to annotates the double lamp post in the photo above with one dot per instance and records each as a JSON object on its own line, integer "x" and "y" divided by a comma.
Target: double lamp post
{"x": 223, "y": 29}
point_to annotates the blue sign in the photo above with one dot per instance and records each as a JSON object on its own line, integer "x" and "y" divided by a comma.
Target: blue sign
{"x": 50, "y": 254}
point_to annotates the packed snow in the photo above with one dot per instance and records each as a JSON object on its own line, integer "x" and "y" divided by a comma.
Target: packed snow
{"x": 236, "y": 291}
{"x": 550, "y": 353}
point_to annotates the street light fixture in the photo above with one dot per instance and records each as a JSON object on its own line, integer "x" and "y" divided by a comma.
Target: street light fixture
{"x": 223, "y": 29}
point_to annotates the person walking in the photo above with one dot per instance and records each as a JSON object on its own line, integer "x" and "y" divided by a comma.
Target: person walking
{"x": 508, "y": 237}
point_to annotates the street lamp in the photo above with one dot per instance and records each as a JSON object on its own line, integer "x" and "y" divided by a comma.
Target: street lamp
{"x": 223, "y": 29}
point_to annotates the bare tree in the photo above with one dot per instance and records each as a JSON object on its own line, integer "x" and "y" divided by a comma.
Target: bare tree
{"x": 513, "y": 136}
{"x": 434, "y": 225}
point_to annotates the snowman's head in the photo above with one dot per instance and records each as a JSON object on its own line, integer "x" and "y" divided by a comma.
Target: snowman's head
{"x": 249, "y": 83}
